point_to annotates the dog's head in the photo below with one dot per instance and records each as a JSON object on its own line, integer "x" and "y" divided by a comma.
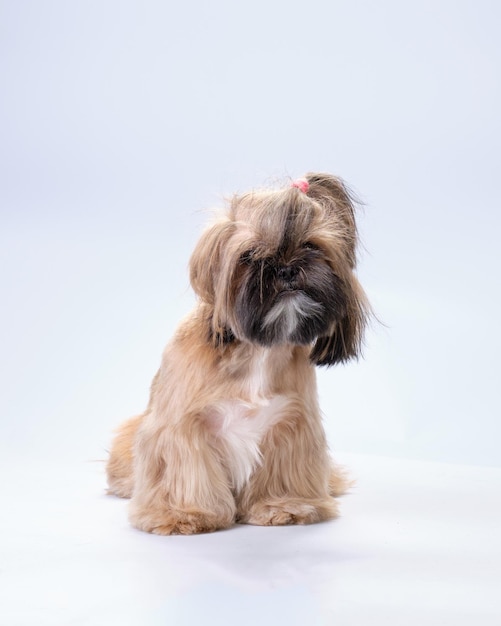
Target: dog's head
{"x": 279, "y": 268}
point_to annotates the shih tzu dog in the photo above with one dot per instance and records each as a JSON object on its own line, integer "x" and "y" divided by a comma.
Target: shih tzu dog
{"x": 233, "y": 432}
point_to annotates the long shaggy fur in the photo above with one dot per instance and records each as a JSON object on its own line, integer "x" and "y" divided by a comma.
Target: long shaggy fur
{"x": 232, "y": 431}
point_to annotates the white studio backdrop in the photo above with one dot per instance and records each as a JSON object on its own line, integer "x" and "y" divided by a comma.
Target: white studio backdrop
{"x": 121, "y": 122}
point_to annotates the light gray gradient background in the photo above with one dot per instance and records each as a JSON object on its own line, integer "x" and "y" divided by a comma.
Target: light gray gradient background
{"x": 121, "y": 122}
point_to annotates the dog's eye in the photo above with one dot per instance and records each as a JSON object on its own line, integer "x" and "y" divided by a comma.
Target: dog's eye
{"x": 309, "y": 245}
{"x": 247, "y": 257}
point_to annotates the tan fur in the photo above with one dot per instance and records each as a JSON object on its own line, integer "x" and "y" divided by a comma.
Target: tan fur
{"x": 219, "y": 411}
{"x": 119, "y": 467}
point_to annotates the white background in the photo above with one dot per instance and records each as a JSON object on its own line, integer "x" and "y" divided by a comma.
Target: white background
{"x": 121, "y": 122}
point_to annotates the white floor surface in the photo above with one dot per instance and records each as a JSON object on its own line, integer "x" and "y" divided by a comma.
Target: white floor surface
{"x": 417, "y": 544}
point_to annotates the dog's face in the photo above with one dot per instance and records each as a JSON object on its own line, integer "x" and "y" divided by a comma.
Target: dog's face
{"x": 285, "y": 288}
{"x": 279, "y": 269}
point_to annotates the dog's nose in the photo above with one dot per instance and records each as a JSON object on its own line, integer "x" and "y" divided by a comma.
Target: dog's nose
{"x": 288, "y": 273}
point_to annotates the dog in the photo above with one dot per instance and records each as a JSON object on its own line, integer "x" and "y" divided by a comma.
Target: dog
{"x": 233, "y": 431}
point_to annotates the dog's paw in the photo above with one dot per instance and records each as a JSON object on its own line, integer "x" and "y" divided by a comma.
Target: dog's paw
{"x": 175, "y": 522}
{"x": 288, "y": 511}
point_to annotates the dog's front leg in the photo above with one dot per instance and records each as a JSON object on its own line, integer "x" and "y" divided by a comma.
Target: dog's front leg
{"x": 181, "y": 486}
{"x": 292, "y": 484}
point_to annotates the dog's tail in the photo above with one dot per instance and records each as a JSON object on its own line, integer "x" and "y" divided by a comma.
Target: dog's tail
{"x": 339, "y": 481}
{"x": 119, "y": 468}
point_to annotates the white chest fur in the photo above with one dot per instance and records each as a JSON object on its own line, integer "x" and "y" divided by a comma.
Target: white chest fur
{"x": 240, "y": 424}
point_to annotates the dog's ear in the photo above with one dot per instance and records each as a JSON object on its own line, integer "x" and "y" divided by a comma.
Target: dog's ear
{"x": 209, "y": 280}
{"x": 205, "y": 262}
{"x": 344, "y": 341}
{"x": 333, "y": 194}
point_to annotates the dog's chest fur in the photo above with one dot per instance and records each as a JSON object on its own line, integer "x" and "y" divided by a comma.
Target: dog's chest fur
{"x": 240, "y": 423}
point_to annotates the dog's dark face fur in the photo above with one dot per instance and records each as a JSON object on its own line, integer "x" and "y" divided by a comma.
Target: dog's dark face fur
{"x": 292, "y": 296}
{"x": 279, "y": 270}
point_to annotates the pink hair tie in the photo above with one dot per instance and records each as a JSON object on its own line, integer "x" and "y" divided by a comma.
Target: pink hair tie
{"x": 302, "y": 184}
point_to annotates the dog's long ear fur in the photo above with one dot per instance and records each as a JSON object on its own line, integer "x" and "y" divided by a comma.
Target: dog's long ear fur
{"x": 333, "y": 194}
{"x": 344, "y": 341}
{"x": 205, "y": 262}
{"x": 207, "y": 277}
